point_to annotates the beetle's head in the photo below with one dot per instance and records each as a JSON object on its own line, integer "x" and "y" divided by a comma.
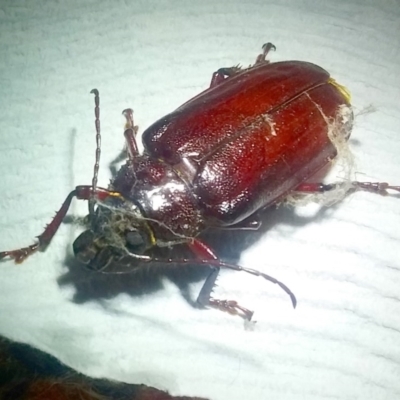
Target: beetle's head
{"x": 117, "y": 237}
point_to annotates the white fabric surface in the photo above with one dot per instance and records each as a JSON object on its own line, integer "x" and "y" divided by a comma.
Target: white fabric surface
{"x": 343, "y": 340}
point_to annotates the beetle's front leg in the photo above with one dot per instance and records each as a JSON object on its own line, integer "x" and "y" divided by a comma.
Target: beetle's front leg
{"x": 204, "y": 299}
{"x": 44, "y": 239}
{"x": 81, "y": 193}
{"x": 232, "y": 307}
{"x": 130, "y": 133}
{"x": 131, "y": 147}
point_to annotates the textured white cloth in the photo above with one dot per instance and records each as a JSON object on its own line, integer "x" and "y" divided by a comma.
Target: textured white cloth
{"x": 343, "y": 339}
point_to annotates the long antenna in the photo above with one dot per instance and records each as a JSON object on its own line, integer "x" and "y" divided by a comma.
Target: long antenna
{"x": 92, "y": 199}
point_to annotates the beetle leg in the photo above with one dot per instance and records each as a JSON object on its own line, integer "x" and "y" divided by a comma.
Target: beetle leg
{"x": 131, "y": 148}
{"x": 261, "y": 58}
{"x": 204, "y": 298}
{"x": 203, "y": 252}
{"x": 81, "y": 193}
{"x": 222, "y": 74}
{"x": 232, "y": 307}
{"x": 130, "y": 133}
{"x": 381, "y": 188}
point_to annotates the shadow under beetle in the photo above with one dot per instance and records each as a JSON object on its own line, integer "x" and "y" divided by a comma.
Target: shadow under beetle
{"x": 252, "y": 139}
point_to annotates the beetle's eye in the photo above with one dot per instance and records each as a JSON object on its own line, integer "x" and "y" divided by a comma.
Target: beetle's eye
{"x": 84, "y": 248}
{"x": 136, "y": 241}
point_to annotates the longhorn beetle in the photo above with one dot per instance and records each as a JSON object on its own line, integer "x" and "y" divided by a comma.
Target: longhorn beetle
{"x": 254, "y": 137}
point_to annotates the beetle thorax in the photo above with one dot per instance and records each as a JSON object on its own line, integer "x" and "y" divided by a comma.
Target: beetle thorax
{"x": 164, "y": 197}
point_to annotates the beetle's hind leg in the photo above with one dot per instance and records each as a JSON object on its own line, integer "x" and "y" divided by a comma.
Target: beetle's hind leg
{"x": 224, "y": 73}
{"x": 381, "y": 188}
{"x": 262, "y": 58}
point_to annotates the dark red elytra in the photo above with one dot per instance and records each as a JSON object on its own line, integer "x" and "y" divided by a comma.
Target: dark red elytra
{"x": 256, "y": 136}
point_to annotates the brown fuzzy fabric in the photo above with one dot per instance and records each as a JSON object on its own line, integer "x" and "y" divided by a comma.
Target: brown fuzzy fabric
{"x": 29, "y": 374}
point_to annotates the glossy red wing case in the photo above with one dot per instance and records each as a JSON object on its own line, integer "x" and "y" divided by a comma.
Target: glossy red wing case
{"x": 251, "y": 139}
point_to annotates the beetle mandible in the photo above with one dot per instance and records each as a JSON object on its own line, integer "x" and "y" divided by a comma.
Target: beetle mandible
{"x": 254, "y": 137}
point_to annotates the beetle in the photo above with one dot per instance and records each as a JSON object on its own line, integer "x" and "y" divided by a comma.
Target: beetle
{"x": 257, "y": 135}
